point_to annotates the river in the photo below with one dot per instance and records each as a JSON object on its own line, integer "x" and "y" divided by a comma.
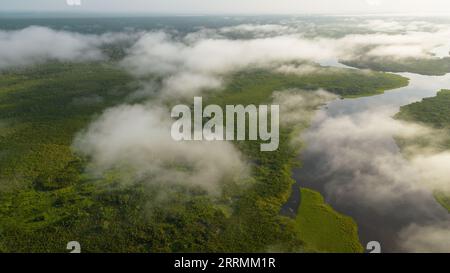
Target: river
{"x": 339, "y": 186}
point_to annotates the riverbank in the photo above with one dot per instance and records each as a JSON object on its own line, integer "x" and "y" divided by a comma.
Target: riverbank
{"x": 346, "y": 167}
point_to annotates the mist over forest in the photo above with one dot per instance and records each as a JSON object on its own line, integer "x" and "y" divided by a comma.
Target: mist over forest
{"x": 86, "y": 151}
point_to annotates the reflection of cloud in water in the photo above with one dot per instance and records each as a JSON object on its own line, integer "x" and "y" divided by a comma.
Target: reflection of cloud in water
{"x": 352, "y": 158}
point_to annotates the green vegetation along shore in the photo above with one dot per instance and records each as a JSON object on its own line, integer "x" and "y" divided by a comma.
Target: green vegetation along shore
{"x": 325, "y": 229}
{"x": 47, "y": 199}
{"x": 434, "y": 112}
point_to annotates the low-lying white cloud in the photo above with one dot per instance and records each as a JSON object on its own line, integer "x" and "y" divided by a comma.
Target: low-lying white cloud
{"x": 426, "y": 239}
{"x": 208, "y": 60}
{"x": 393, "y": 26}
{"x": 297, "y": 107}
{"x": 37, "y": 44}
{"x": 363, "y": 165}
{"x": 200, "y": 60}
{"x": 365, "y": 174}
{"x": 136, "y": 139}
{"x": 364, "y": 142}
{"x": 188, "y": 64}
{"x": 300, "y": 70}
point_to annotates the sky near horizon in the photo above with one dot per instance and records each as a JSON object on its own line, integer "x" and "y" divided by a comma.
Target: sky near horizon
{"x": 234, "y": 6}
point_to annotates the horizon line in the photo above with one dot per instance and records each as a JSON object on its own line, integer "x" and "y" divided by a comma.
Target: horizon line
{"x": 193, "y": 14}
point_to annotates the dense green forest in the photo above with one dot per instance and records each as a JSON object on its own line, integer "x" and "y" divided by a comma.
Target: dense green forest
{"x": 47, "y": 199}
{"x": 433, "y": 112}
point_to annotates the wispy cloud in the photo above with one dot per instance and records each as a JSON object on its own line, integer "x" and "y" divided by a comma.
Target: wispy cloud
{"x": 36, "y": 44}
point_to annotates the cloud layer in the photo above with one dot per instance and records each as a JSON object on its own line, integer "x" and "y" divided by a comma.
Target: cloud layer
{"x": 36, "y": 44}
{"x": 198, "y": 61}
{"x": 359, "y": 158}
{"x": 136, "y": 139}
{"x": 188, "y": 64}
{"x": 356, "y": 159}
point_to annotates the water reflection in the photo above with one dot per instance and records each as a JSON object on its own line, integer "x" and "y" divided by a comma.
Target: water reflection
{"x": 381, "y": 222}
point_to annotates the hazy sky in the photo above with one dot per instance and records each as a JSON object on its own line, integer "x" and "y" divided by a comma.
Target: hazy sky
{"x": 235, "y": 6}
